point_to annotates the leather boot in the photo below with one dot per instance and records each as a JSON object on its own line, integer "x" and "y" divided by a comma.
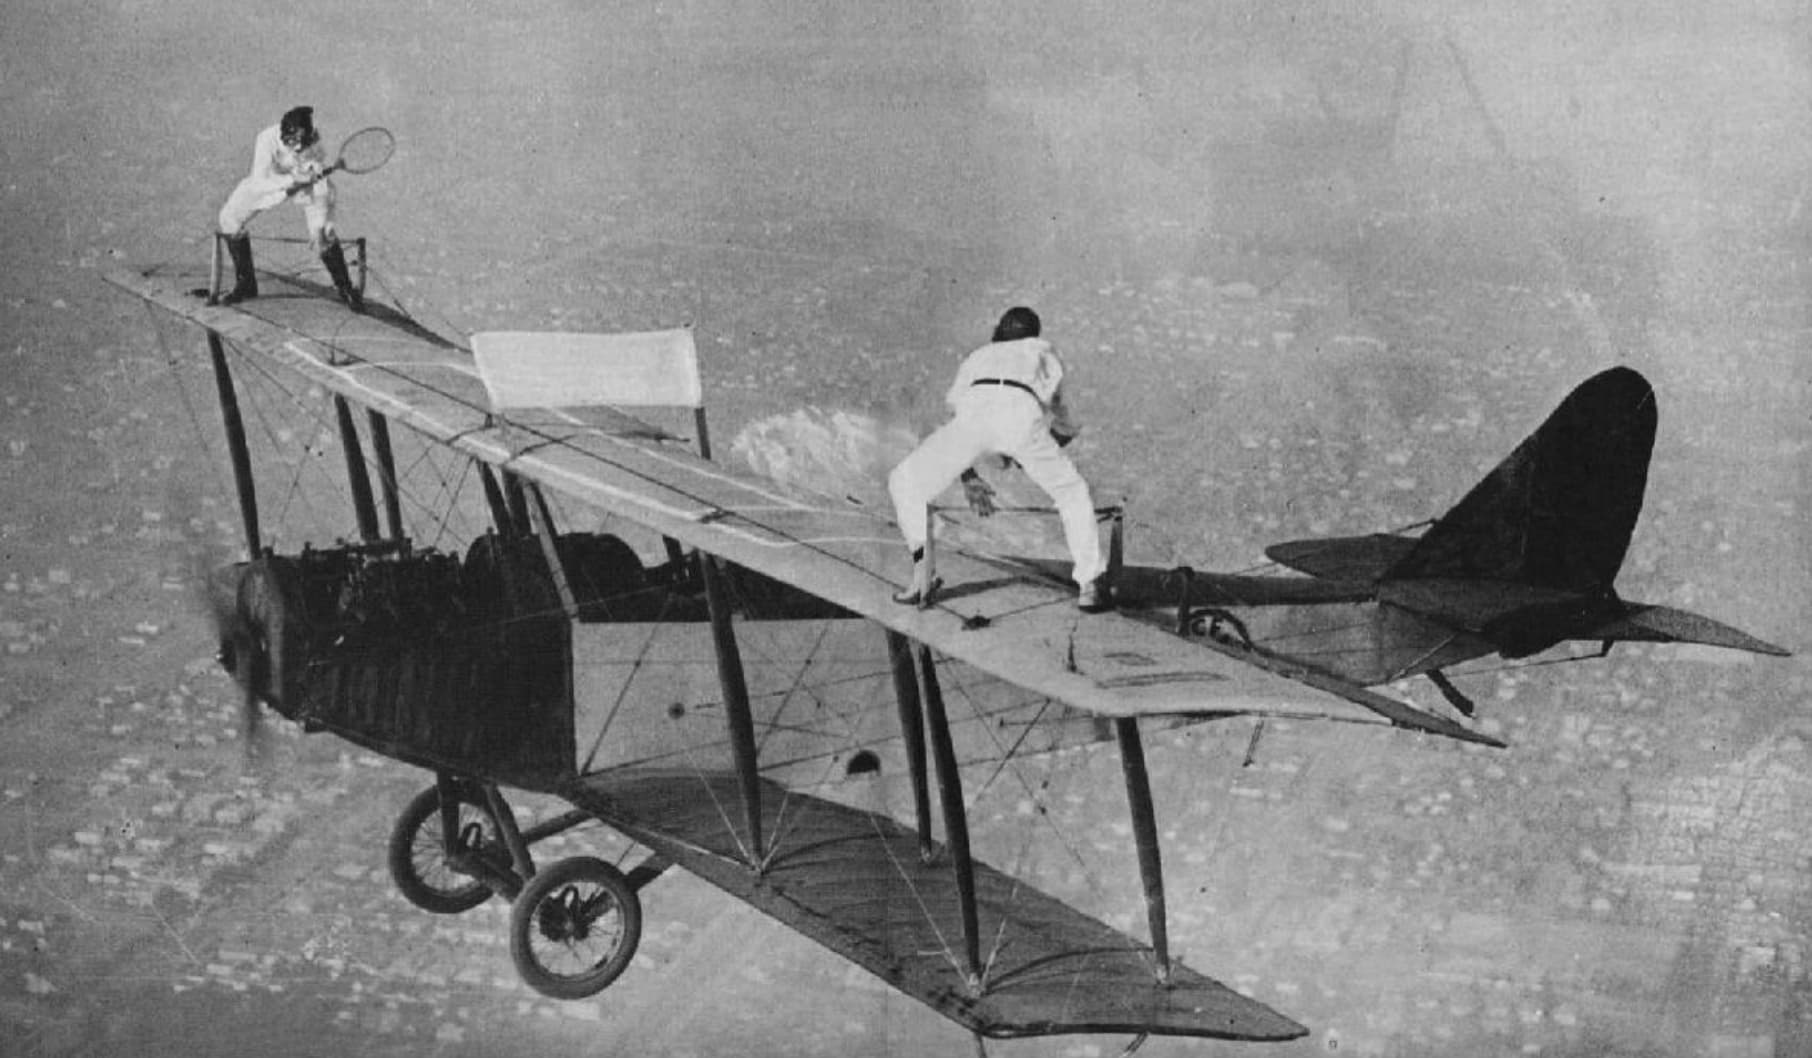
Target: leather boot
{"x": 335, "y": 260}
{"x": 245, "y": 278}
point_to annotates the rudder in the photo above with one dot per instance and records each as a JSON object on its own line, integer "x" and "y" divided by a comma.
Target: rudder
{"x": 1559, "y": 510}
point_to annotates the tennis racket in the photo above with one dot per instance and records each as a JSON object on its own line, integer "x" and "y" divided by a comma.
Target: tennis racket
{"x": 361, "y": 152}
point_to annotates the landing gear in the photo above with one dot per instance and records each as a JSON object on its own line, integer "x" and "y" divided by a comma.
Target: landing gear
{"x": 422, "y": 860}
{"x": 574, "y": 928}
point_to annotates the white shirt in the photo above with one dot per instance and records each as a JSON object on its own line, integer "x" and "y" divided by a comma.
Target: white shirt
{"x": 276, "y": 167}
{"x": 1030, "y": 362}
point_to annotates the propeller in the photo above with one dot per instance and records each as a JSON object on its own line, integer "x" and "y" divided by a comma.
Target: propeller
{"x": 214, "y": 580}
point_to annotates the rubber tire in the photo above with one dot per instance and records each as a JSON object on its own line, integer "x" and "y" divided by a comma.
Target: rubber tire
{"x": 424, "y": 812}
{"x": 525, "y": 921}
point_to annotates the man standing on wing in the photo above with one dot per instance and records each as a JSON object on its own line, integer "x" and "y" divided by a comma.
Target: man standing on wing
{"x": 288, "y": 163}
{"x": 1008, "y": 401}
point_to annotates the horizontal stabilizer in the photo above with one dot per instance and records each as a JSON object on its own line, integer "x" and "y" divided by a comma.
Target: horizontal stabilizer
{"x": 1356, "y": 558}
{"x": 1664, "y": 624}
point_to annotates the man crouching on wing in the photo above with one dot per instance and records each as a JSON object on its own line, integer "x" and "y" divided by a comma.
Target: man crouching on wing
{"x": 1008, "y": 401}
{"x": 288, "y": 165}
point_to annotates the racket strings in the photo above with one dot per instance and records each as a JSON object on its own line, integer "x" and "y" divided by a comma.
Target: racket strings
{"x": 366, "y": 149}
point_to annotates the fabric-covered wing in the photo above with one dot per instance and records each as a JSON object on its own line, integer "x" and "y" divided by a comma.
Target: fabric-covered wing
{"x": 854, "y": 881}
{"x": 1018, "y": 629}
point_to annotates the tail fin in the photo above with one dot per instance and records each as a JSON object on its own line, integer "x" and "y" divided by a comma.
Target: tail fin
{"x": 1559, "y": 511}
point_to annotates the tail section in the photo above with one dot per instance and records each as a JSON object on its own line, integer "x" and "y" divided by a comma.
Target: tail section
{"x": 1529, "y": 557}
{"x": 1558, "y": 512}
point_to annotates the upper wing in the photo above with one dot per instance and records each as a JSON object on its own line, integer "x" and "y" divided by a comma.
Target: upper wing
{"x": 1020, "y": 630}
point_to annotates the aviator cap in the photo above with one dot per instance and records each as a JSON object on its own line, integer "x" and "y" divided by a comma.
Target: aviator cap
{"x": 1016, "y": 323}
{"x": 298, "y": 125}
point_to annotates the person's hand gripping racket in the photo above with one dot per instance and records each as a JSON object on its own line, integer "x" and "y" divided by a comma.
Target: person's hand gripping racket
{"x": 362, "y": 152}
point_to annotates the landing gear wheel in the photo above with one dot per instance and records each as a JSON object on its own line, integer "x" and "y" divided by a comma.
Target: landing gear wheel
{"x": 574, "y": 928}
{"x": 418, "y": 854}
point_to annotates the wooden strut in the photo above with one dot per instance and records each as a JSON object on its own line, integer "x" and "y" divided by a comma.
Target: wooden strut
{"x": 241, "y": 456}
{"x": 214, "y": 269}
{"x": 520, "y": 857}
{"x": 518, "y": 503}
{"x": 542, "y": 520}
{"x": 930, "y": 557}
{"x": 704, "y": 436}
{"x": 912, "y": 729}
{"x": 357, "y": 473}
{"x": 447, "y": 786}
{"x": 676, "y": 555}
{"x": 493, "y": 497}
{"x": 386, "y": 463}
{"x": 737, "y": 714}
{"x": 1116, "y": 539}
{"x": 1145, "y": 838}
{"x": 956, "y": 817}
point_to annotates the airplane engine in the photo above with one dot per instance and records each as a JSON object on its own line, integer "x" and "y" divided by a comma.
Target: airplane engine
{"x": 413, "y": 653}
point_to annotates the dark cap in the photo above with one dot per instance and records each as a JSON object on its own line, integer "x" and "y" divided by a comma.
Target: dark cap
{"x": 1016, "y": 323}
{"x": 297, "y": 120}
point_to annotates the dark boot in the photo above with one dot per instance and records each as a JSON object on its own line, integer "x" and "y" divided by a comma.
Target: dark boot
{"x": 245, "y": 278}
{"x": 335, "y": 260}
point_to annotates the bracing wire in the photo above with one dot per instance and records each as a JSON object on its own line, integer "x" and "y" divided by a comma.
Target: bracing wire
{"x": 171, "y": 361}
{"x": 442, "y": 508}
{"x": 946, "y": 949}
{"x": 1008, "y": 756}
{"x": 635, "y": 667}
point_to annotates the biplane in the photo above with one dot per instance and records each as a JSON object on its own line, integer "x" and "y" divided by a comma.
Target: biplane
{"x": 465, "y": 664}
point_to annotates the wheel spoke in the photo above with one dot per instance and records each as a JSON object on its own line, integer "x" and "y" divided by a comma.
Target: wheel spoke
{"x": 418, "y": 859}
{"x": 575, "y": 928}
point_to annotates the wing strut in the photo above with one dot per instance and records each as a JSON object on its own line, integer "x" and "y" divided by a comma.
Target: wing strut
{"x": 542, "y": 520}
{"x": 518, "y": 503}
{"x": 1145, "y": 838}
{"x": 956, "y": 818}
{"x": 386, "y": 462}
{"x": 236, "y": 447}
{"x": 737, "y": 715}
{"x": 912, "y": 729}
{"x": 358, "y": 475}
{"x": 493, "y": 498}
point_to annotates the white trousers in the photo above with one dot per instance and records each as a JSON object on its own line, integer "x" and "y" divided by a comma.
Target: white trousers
{"x": 249, "y": 199}
{"x": 998, "y": 420}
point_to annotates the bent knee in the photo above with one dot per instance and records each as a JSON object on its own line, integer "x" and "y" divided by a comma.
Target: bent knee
{"x": 899, "y": 479}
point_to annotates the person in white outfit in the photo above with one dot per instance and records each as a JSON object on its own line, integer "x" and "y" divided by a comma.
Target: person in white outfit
{"x": 288, "y": 165}
{"x": 1008, "y": 401}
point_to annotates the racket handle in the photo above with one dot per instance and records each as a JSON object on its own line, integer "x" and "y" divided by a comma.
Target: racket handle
{"x": 317, "y": 178}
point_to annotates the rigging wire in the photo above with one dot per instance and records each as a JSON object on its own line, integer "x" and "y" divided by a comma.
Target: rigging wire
{"x": 442, "y": 508}
{"x": 171, "y": 361}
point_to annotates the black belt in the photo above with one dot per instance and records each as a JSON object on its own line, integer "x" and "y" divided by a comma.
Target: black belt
{"x": 1015, "y": 383}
